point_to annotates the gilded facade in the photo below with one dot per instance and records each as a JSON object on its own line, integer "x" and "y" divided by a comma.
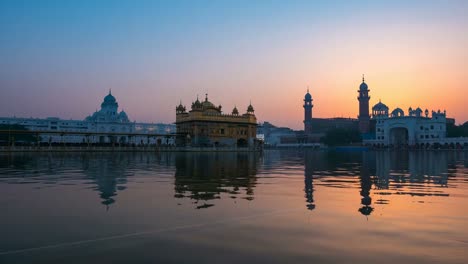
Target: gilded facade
{"x": 205, "y": 125}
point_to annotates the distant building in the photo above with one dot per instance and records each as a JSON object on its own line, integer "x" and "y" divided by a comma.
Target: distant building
{"x": 276, "y": 136}
{"x": 322, "y": 125}
{"x": 107, "y": 120}
{"x": 398, "y": 129}
{"x": 416, "y": 128}
{"x": 205, "y": 125}
{"x": 109, "y": 112}
{"x": 316, "y": 128}
{"x": 381, "y": 129}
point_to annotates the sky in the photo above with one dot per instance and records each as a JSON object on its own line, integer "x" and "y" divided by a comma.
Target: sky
{"x": 60, "y": 58}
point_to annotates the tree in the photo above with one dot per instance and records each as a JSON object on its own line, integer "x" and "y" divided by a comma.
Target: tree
{"x": 457, "y": 131}
{"x": 9, "y": 133}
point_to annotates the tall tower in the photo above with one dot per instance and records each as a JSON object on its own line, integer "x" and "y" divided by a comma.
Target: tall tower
{"x": 363, "y": 98}
{"x": 308, "y": 112}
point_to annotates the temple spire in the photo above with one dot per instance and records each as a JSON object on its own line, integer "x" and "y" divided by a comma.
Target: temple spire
{"x": 362, "y": 77}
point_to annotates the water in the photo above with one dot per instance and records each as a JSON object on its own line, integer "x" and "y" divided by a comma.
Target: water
{"x": 275, "y": 207}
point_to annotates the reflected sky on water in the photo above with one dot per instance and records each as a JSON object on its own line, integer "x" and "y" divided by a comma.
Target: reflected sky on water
{"x": 274, "y": 207}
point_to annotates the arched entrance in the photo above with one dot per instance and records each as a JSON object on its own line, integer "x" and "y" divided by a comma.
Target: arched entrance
{"x": 399, "y": 136}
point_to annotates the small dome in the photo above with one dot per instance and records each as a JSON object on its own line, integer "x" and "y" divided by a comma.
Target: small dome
{"x": 307, "y": 96}
{"x": 363, "y": 87}
{"x": 123, "y": 117}
{"x": 398, "y": 112}
{"x": 235, "y": 111}
{"x": 196, "y": 104}
{"x": 250, "y": 109}
{"x": 380, "y": 107}
{"x": 180, "y": 108}
{"x": 122, "y": 114}
{"x": 109, "y": 101}
{"x": 207, "y": 104}
{"x": 417, "y": 112}
{"x": 109, "y": 98}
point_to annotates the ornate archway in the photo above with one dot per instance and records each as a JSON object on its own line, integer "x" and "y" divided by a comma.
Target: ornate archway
{"x": 399, "y": 136}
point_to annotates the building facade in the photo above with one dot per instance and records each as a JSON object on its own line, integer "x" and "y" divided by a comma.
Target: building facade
{"x": 107, "y": 125}
{"x": 205, "y": 125}
{"x": 415, "y": 128}
{"x": 315, "y": 128}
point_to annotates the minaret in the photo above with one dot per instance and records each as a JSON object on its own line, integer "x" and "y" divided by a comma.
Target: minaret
{"x": 308, "y": 113}
{"x": 363, "y": 98}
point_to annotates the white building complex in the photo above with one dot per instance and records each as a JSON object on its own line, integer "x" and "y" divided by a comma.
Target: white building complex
{"x": 417, "y": 128}
{"x": 107, "y": 125}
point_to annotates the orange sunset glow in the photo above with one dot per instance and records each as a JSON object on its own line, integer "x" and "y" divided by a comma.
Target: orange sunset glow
{"x": 412, "y": 54}
{"x": 234, "y": 131}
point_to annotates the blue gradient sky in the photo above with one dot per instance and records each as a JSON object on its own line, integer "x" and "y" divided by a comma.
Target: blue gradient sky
{"x": 59, "y": 58}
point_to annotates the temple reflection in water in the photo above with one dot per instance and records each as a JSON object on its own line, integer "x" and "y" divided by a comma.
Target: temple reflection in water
{"x": 206, "y": 176}
{"x": 382, "y": 173}
{"x": 107, "y": 173}
{"x": 203, "y": 178}
{"x": 366, "y": 186}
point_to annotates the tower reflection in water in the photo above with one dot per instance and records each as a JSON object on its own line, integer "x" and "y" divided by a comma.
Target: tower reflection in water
{"x": 309, "y": 180}
{"x": 203, "y": 177}
{"x": 382, "y": 174}
{"x": 366, "y": 185}
{"x": 412, "y": 173}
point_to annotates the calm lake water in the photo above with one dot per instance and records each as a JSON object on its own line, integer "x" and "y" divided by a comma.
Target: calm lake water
{"x": 275, "y": 207}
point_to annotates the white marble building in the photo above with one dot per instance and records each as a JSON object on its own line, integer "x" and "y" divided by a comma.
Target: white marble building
{"x": 417, "y": 127}
{"x": 107, "y": 120}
